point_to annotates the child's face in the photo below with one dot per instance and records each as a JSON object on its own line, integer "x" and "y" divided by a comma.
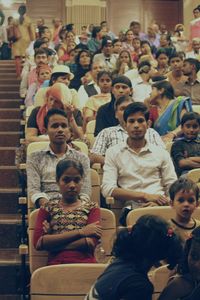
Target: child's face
{"x": 194, "y": 260}
{"x": 184, "y": 204}
{"x": 191, "y": 129}
{"x": 44, "y": 75}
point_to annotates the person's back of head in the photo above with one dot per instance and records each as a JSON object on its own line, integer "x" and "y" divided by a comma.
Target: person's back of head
{"x": 95, "y": 31}
{"x": 150, "y": 240}
{"x": 194, "y": 62}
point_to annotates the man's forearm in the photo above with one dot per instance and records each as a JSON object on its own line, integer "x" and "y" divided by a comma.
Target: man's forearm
{"x": 125, "y": 195}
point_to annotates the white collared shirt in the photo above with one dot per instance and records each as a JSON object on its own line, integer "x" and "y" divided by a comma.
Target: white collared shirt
{"x": 150, "y": 171}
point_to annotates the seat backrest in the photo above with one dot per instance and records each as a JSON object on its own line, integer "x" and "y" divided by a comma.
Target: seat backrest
{"x": 82, "y": 146}
{"x": 38, "y": 259}
{"x": 90, "y": 128}
{"x": 194, "y": 175}
{"x": 36, "y": 146}
{"x": 64, "y": 282}
{"x": 196, "y": 108}
{"x": 167, "y": 212}
{"x": 159, "y": 278}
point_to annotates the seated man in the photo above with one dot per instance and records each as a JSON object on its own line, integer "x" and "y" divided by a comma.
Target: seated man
{"x": 41, "y": 165}
{"x": 136, "y": 172}
{"x": 114, "y": 135}
{"x": 121, "y": 86}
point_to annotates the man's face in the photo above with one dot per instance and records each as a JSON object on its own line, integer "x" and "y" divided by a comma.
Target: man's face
{"x": 187, "y": 68}
{"x": 107, "y": 49}
{"x": 136, "y": 29}
{"x": 117, "y": 47}
{"x": 58, "y": 130}
{"x": 41, "y": 59}
{"x": 121, "y": 89}
{"x": 176, "y": 64}
{"x": 47, "y": 34}
{"x": 119, "y": 113}
{"x": 136, "y": 126}
{"x": 196, "y": 46}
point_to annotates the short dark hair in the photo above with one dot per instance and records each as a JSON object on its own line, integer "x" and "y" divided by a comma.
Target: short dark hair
{"x": 42, "y": 30}
{"x": 168, "y": 88}
{"x": 41, "y": 51}
{"x": 133, "y": 23}
{"x": 122, "y": 79}
{"x": 115, "y": 41}
{"x": 144, "y": 67}
{"x": 194, "y": 62}
{"x": 189, "y": 116}
{"x": 102, "y": 73}
{"x": 162, "y": 51}
{"x": 121, "y": 100}
{"x": 175, "y": 55}
{"x": 69, "y": 27}
{"x": 64, "y": 164}
{"x": 183, "y": 184}
{"x": 51, "y": 112}
{"x": 134, "y": 108}
{"x": 95, "y": 30}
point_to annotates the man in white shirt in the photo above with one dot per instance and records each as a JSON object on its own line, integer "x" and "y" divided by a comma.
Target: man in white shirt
{"x": 136, "y": 172}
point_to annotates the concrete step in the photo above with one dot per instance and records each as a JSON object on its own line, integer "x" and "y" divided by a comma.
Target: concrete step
{"x": 10, "y": 139}
{"x": 7, "y": 156}
{"x": 10, "y": 231}
{"x": 9, "y": 80}
{"x": 9, "y": 87}
{"x": 10, "y": 113}
{"x": 9, "y": 200}
{"x": 15, "y": 103}
{"x": 9, "y": 95}
{"x": 12, "y": 125}
{"x": 9, "y": 177}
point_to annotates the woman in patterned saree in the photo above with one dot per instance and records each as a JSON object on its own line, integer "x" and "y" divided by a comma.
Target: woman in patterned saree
{"x": 68, "y": 229}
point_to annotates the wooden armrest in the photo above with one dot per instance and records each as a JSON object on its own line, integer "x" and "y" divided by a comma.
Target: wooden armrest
{"x": 23, "y": 249}
{"x": 22, "y": 166}
{"x": 22, "y": 122}
{"x": 22, "y": 200}
{"x": 22, "y": 107}
{"x": 97, "y": 167}
{"x": 110, "y": 200}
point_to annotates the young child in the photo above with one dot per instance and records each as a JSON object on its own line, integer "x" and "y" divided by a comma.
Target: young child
{"x": 186, "y": 150}
{"x": 186, "y": 285}
{"x": 136, "y": 250}
{"x": 184, "y": 195}
{"x": 43, "y": 73}
{"x": 74, "y": 220}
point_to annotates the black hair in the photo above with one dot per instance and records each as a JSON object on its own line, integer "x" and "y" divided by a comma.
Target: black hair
{"x": 183, "y": 184}
{"x": 69, "y": 27}
{"x": 190, "y": 116}
{"x": 121, "y": 100}
{"x": 42, "y": 30}
{"x": 55, "y": 76}
{"x": 41, "y": 51}
{"x": 95, "y": 30}
{"x": 183, "y": 267}
{"x": 145, "y": 42}
{"x": 51, "y": 112}
{"x": 115, "y": 41}
{"x": 134, "y": 108}
{"x": 64, "y": 164}
{"x": 102, "y": 73}
{"x": 79, "y": 55}
{"x": 162, "y": 51}
{"x": 144, "y": 67}
{"x": 158, "y": 78}
{"x": 150, "y": 239}
{"x": 176, "y": 54}
{"x": 194, "y": 62}
{"x": 81, "y": 47}
{"x": 122, "y": 79}
{"x": 168, "y": 88}
{"x": 196, "y": 8}
{"x": 38, "y": 43}
{"x": 21, "y": 11}
{"x": 133, "y": 23}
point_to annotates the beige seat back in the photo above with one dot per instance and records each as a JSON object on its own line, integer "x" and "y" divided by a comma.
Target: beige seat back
{"x": 194, "y": 175}
{"x": 82, "y": 146}
{"x": 159, "y": 278}
{"x": 167, "y": 212}
{"x": 38, "y": 259}
{"x": 196, "y": 108}
{"x": 64, "y": 282}
{"x": 90, "y": 128}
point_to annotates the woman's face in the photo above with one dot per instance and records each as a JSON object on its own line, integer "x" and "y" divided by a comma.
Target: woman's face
{"x": 163, "y": 41}
{"x": 129, "y": 35}
{"x": 145, "y": 49}
{"x": 53, "y": 102}
{"x": 194, "y": 260}
{"x": 69, "y": 37}
{"x": 105, "y": 83}
{"x": 162, "y": 60}
{"x": 124, "y": 57}
{"x": 136, "y": 44}
{"x": 71, "y": 45}
{"x": 84, "y": 59}
{"x": 70, "y": 184}
{"x": 155, "y": 95}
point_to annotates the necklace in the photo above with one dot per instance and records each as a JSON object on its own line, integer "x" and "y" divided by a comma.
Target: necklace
{"x": 184, "y": 227}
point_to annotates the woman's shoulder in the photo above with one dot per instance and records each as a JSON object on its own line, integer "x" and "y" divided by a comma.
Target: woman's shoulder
{"x": 87, "y": 202}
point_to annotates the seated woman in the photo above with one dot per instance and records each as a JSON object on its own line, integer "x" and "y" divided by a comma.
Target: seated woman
{"x": 136, "y": 250}
{"x": 63, "y": 50}
{"x": 104, "y": 81}
{"x": 124, "y": 63}
{"x": 166, "y": 112}
{"x": 57, "y": 96}
{"x": 68, "y": 229}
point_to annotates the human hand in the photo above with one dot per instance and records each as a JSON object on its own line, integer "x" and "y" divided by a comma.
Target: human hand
{"x": 91, "y": 230}
{"x": 69, "y": 109}
{"x": 158, "y": 199}
{"x": 46, "y": 227}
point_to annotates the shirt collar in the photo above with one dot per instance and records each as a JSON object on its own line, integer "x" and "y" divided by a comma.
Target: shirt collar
{"x": 50, "y": 151}
{"x": 146, "y": 148}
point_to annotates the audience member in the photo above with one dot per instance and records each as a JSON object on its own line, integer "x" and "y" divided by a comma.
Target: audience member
{"x": 121, "y": 86}
{"x": 195, "y": 53}
{"x": 137, "y": 172}
{"x": 176, "y": 74}
{"x": 72, "y": 223}
{"x": 136, "y": 250}
{"x": 41, "y": 165}
{"x": 185, "y": 150}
